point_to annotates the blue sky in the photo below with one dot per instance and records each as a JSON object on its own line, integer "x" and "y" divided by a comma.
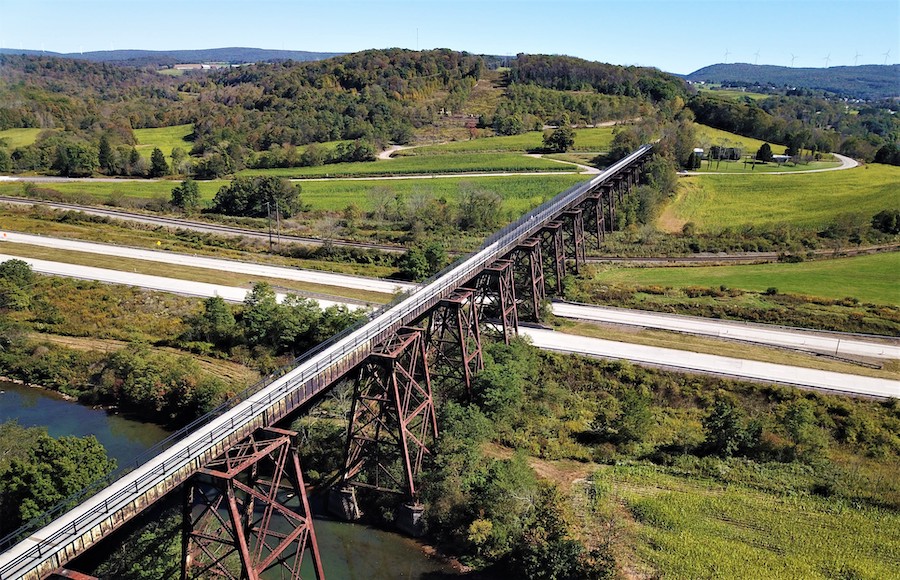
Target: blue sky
{"x": 675, "y": 35}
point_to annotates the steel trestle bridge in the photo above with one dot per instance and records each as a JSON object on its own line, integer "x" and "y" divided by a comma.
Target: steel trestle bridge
{"x": 50, "y": 548}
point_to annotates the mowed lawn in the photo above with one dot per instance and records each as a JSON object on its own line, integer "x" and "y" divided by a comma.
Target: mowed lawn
{"x": 812, "y": 200}
{"x": 874, "y": 278}
{"x": 166, "y": 138}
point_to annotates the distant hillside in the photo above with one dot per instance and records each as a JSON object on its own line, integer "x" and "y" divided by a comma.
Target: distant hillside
{"x": 870, "y": 81}
{"x": 233, "y": 55}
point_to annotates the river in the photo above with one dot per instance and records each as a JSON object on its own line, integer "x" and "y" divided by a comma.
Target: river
{"x": 349, "y": 551}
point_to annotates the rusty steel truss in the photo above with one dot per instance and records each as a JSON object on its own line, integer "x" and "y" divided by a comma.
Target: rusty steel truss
{"x": 392, "y": 420}
{"x": 554, "y": 256}
{"x": 496, "y": 297}
{"x": 454, "y": 340}
{"x": 247, "y": 512}
{"x": 528, "y": 276}
{"x": 573, "y": 238}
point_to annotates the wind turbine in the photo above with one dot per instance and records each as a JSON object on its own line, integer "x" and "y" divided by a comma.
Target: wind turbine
{"x": 756, "y": 57}
{"x": 827, "y": 59}
{"x": 793, "y": 58}
{"x": 726, "y": 55}
{"x": 856, "y": 58}
{"x": 886, "y": 55}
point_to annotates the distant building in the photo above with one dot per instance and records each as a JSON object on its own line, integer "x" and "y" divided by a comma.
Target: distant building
{"x": 781, "y": 158}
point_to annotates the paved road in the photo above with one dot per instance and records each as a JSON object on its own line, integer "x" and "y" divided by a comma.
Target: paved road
{"x": 196, "y": 226}
{"x": 679, "y": 359}
{"x": 830, "y": 343}
{"x": 284, "y": 273}
{"x": 186, "y": 287}
{"x": 719, "y": 365}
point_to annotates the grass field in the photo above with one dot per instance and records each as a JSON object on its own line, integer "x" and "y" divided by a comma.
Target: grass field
{"x": 519, "y": 192}
{"x": 713, "y": 202}
{"x": 166, "y": 138}
{"x": 753, "y": 168}
{"x": 874, "y": 278}
{"x": 463, "y": 163}
{"x": 593, "y": 139}
{"x": 709, "y": 136}
{"x": 19, "y": 137}
{"x": 732, "y": 94}
{"x": 692, "y": 527}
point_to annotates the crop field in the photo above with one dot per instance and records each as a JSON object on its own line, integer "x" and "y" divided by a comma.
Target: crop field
{"x": 19, "y": 137}
{"x": 733, "y": 94}
{"x": 701, "y": 528}
{"x": 463, "y": 163}
{"x": 166, "y": 138}
{"x": 709, "y": 136}
{"x": 519, "y": 192}
{"x": 871, "y": 278}
{"x": 592, "y": 139}
{"x": 812, "y": 200}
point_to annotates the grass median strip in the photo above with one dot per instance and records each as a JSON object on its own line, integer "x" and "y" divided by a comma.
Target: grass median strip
{"x": 734, "y": 349}
{"x": 188, "y": 273}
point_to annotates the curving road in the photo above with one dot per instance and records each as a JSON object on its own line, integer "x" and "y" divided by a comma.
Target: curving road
{"x": 836, "y": 344}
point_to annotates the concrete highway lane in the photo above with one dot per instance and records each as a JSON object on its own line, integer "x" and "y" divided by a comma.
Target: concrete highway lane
{"x": 836, "y": 344}
{"x": 547, "y": 339}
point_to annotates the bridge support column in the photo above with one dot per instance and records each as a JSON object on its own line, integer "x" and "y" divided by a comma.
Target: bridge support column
{"x": 250, "y": 503}
{"x": 574, "y": 238}
{"x": 454, "y": 340}
{"x": 496, "y": 295}
{"x": 609, "y": 196}
{"x": 392, "y": 419}
{"x": 554, "y": 256}
{"x": 592, "y": 208}
{"x": 528, "y": 276}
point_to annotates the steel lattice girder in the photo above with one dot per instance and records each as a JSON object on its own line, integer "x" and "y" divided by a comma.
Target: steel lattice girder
{"x": 609, "y": 195}
{"x": 574, "y": 236}
{"x": 496, "y": 292}
{"x": 554, "y": 256}
{"x": 252, "y": 502}
{"x": 393, "y": 419}
{"x": 528, "y": 275}
{"x": 592, "y": 208}
{"x": 454, "y": 340}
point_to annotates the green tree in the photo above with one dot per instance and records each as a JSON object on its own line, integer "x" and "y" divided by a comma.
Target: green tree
{"x": 259, "y": 196}
{"x": 105, "y": 154}
{"x": 215, "y": 325}
{"x": 728, "y": 431}
{"x": 158, "y": 165}
{"x": 53, "y": 470}
{"x": 5, "y": 161}
{"x": 887, "y": 221}
{"x": 75, "y": 159}
{"x": 186, "y": 196}
{"x": 16, "y": 280}
{"x": 764, "y": 153}
{"x": 413, "y": 265}
{"x": 259, "y": 316}
{"x": 560, "y": 139}
{"x": 479, "y": 209}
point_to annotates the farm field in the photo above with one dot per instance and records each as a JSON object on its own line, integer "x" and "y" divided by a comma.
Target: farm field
{"x": 166, "y": 138}
{"x": 462, "y": 163}
{"x": 520, "y": 193}
{"x": 591, "y": 139}
{"x": 707, "y": 136}
{"x": 811, "y": 200}
{"x": 19, "y": 137}
{"x": 694, "y": 527}
{"x": 872, "y": 278}
{"x": 733, "y": 94}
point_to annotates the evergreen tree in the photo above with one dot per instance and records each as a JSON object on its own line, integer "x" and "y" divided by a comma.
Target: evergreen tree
{"x": 765, "y": 153}
{"x": 158, "y": 165}
{"x": 186, "y": 196}
{"x": 105, "y": 154}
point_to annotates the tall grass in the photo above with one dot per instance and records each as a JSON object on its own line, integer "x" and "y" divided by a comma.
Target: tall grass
{"x": 165, "y": 138}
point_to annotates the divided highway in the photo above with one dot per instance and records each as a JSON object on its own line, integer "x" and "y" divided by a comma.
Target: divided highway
{"x": 546, "y": 339}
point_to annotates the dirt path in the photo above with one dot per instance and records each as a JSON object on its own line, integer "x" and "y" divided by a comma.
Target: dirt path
{"x": 846, "y": 163}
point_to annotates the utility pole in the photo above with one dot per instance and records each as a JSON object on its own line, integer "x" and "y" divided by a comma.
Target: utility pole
{"x": 269, "y": 220}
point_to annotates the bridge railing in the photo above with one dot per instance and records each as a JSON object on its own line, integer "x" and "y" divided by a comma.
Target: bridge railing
{"x": 404, "y": 309}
